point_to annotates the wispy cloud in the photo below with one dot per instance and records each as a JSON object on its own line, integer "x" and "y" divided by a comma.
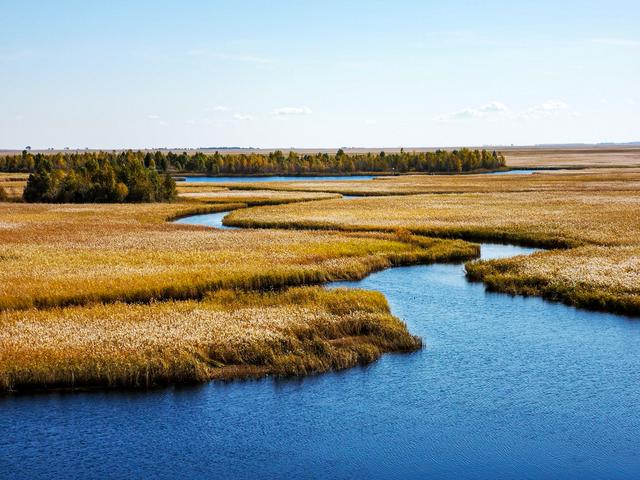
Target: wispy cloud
{"x": 500, "y": 110}
{"x": 482, "y": 111}
{"x": 219, "y": 108}
{"x": 157, "y": 120}
{"x": 616, "y": 42}
{"x": 239, "y": 116}
{"x": 546, "y": 109}
{"x": 284, "y": 111}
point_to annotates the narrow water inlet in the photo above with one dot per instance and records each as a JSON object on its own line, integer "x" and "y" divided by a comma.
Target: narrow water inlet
{"x": 206, "y": 220}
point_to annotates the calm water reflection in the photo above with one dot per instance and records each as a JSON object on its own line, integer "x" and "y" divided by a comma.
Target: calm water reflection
{"x": 279, "y": 178}
{"x": 506, "y": 387}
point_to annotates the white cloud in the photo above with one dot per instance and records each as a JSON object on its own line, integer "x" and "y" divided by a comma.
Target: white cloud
{"x": 219, "y": 108}
{"x": 483, "y": 111}
{"x": 239, "y": 116}
{"x": 279, "y": 112}
{"x": 500, "y": 110}
{"x": 153, "y": 117}
{"x": 546, "y": 109}
{"x": 616, "y": 42}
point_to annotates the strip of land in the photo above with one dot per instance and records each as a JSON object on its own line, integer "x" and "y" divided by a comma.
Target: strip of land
{"x": 590, "y": 220}
{"x": 226, "y": 335}
{"x": 55, "y": 255}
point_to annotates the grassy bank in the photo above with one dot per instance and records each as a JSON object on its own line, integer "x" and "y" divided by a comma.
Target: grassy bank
{"x": 589, "y": 219}
{"x": 56, "y": 255}
{"x": 550, "y": 219}
{"x": 227, "y": 335}
{"x": 250, "y": 198}
{"x": 596, "y": 278}
{"x": 593, "y": 180}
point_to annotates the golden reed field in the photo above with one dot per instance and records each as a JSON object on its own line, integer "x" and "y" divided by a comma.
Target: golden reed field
{"x": 115, "y": 295}
{"x": 596, "y": 214}
{"x": 54, "y": 255}
{"x": 225, "y": 335}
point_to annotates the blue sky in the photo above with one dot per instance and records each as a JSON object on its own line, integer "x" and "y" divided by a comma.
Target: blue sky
{"x": 317, "y": 73}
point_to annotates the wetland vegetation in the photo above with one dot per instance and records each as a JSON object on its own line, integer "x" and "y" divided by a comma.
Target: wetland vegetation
{"x": 88, "y": 292}
{"x": 224, "y": 335}
{"x": 115, "y": 295}
{"x": 589, "y": 220}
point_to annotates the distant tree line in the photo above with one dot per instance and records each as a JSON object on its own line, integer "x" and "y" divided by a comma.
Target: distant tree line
{"x": 92, "y": 178}
{"x": 274, "y": 163}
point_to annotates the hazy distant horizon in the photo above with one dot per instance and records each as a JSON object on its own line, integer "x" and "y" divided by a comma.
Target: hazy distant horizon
{"x": 234, "y": 149}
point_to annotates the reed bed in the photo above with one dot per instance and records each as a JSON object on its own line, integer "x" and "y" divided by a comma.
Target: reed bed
{"x": 550, "y": 219}
{"x": 573, "y": 157}
{"x": 256, "y": 197}
{"x": 594, "y": 216}
{"x": 13, "y": 177}
{"x": 56, "y": 255}
{"x": 297, "y": 331}
{"x": 13, "y": 188}
{"x": 591, "y": 180}
{"x": 596, "y": 278}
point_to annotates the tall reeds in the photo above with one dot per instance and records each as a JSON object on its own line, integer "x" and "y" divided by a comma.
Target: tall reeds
{"x": 227, "y": 335}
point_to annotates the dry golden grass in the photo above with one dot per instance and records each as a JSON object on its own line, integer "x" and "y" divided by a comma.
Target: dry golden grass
{"x": 192, "y": 187}
{"x": 75, "y": 254}
{"x": 13, "y": 188}
{"x": 539, "y": 218}
{"x": 597, "y": 212}
{"x": 598, "y": 278}
{"x": 589, "y": 180}
{"x": 298, "y": 331}
{"x": 572, "y": 157}
{"x": 12, "y": 184}
{"x": 13, "y": 177}
{"x": 87, "y": 255}
{"x": 255, "y": 197}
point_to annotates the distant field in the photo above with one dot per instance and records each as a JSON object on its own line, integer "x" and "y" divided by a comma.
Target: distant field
{"x": 573, "y": 157}
{"x": 590, "y": 179}
{"x": 13, "y": 184}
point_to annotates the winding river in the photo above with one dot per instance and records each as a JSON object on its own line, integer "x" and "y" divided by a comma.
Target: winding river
{"x": 505, "y": 387}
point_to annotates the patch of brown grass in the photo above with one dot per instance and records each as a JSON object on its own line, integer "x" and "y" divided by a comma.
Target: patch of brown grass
{"x": 298, "y": 331}
{"x": 55, "y": 255}
{"x": 255, "y": 197}
{"x": 597, "y": 212}
{"x": 571, "y": 181}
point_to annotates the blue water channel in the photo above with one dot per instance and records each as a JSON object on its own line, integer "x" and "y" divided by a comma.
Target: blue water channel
{"x": 505, "y": 387}
{"x": 279, "y": 178}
